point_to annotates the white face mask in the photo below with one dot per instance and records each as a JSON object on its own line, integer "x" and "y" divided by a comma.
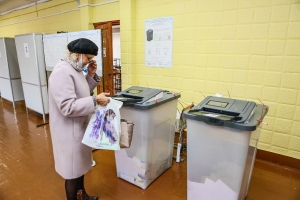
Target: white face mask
{"x": 79, "y": 63}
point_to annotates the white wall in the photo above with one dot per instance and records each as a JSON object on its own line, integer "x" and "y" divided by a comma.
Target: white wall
{"x": 116, "y": 42}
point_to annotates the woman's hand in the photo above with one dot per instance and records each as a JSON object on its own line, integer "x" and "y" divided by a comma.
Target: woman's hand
{"x": 102, "y": 99}
{"x": 92, "y": 68}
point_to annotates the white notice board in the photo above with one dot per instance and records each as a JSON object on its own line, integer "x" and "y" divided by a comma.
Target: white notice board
{"x": 55, "y": 46}
{"x": 158, "y": 42}
{"x": 96, "y": 37}
{"x": 4, "y": 68}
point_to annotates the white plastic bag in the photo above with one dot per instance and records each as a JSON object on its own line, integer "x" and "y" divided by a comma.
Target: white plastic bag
{"x": 104, "y": 130}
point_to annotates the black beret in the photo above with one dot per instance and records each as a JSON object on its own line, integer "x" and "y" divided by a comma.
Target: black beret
{"x": 83, "y": 46}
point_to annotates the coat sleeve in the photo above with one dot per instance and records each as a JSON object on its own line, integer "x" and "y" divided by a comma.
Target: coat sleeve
{"x": 92, "y": 82}
{"x": 62, "y": 89}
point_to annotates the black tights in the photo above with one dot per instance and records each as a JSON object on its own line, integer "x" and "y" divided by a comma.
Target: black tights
{"x": 72, "y": 185}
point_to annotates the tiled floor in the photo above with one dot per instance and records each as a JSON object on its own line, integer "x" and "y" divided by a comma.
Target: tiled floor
{"x": 27, "y": 170}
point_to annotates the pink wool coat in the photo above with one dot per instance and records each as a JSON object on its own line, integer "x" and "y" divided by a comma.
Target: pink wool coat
{"x": 70, "y": 106}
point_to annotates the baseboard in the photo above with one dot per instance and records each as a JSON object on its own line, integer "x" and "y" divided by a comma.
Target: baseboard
{"x": 278, "y": 159}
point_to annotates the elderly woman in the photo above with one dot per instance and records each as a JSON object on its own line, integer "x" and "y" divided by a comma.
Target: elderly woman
{"x": 70, "y": 105}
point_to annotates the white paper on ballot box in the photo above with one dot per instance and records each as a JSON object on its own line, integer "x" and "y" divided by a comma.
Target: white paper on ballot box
{"x": 210, "y": 190}
{"x": 137, "y": 172}
{"x": 104, "y": 129}
{"x": 131, "y": 169}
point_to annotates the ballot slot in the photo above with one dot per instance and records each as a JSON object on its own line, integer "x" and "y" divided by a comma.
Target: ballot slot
{"x": 140, "y": 95}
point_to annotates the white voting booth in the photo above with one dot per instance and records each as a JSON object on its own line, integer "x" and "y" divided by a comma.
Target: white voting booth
{"x": 32, "y": 67}
{"x": 10, "y": 79}
{"x": 55, "y": 46}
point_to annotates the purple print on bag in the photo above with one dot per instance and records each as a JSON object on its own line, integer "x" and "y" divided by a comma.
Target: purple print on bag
{"x": 108, "y": 126}
{"x": 98, "y": 123}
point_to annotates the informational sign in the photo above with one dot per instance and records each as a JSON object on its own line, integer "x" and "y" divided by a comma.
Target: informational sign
{"x": 55, "y": 46}
{"x": 158, "y": 42}
{"x": 96, "y": 37}
{"x": 26, "y": 50}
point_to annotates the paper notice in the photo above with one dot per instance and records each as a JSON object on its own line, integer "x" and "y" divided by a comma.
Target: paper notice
{"x": 26, "y": 50}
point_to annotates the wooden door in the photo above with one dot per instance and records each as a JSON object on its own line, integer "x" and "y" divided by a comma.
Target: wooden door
{"x": 106, "y": 84}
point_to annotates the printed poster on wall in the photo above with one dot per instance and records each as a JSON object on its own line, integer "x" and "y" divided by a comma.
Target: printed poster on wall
{"x": 55, "y": 46}
{"x": 158, "y": 42}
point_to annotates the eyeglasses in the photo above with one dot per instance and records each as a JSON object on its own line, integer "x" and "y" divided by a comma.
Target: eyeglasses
{"x": 90, "y": 59}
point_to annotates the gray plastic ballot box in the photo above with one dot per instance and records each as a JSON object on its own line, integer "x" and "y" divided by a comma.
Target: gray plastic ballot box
{"x": 151, "y": 150}
{"x": 149, "y": 34}
{"x": 222, "y": 136}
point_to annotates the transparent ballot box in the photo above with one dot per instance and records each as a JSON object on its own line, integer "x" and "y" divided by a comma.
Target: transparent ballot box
{"x": 221, "y": 149}
{"x": 151, "y": 150}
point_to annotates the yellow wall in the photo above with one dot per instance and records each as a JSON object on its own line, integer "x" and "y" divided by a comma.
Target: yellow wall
{"x": 250, "y": 48}
{"x": 106, "y": 12}
{"x": 37, "y": 22}
{"x": 66, "y": 16}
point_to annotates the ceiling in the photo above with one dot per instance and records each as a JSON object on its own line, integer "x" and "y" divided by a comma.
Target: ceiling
{"x": 10, "y": 5}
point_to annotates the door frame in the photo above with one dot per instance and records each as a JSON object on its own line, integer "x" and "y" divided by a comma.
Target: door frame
{"x": 114, "y": 23}
{"x": 100, "y": 87}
